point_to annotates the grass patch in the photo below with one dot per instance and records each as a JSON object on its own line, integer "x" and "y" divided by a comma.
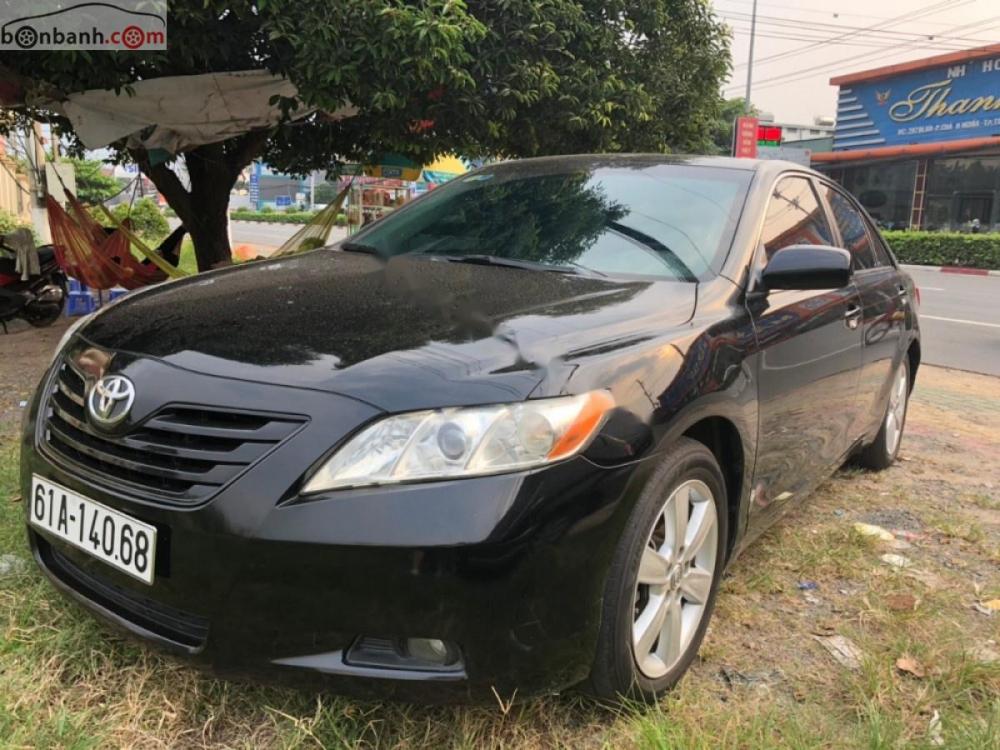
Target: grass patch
{"x": 761, "y": 681}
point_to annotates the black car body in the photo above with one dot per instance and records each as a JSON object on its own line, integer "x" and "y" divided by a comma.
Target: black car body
{"x": 248, "y": 379}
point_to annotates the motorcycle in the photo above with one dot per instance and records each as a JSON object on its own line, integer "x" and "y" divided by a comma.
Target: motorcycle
{"x": 40, "y": 299}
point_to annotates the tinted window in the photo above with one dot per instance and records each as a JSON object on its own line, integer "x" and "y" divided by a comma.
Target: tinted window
{"x": 851, "y": 224}
{"x": 881, "y": 250}
{"x": 674, "y": 221}
{"x": 794, "y": 217}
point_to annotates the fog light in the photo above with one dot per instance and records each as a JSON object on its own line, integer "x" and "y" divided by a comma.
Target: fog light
{"x": 429, "y": 650}
{"x": 423, "y": 654}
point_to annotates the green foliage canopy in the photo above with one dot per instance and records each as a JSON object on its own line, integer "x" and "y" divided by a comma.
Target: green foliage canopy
{"x": 92, "y": 185}
{"x": 507, "y": 78}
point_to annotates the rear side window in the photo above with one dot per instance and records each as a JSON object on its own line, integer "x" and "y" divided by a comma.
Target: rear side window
{"x": 851, "y": 224}
{"x": 794, "y": 217}
{"x": 881, "y": 249}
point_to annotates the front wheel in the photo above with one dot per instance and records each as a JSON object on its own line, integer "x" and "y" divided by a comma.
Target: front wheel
{"x": 883, "y": 451}
{"x": 663, "y": 581}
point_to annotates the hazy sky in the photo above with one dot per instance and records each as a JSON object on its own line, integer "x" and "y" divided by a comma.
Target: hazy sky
{"x": 802, "y": 43}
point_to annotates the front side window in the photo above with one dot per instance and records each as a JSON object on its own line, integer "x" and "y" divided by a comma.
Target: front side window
{"x": 671, "y": 221}
{"x": 853, "y": 231}
{"x": 794, "y": 217}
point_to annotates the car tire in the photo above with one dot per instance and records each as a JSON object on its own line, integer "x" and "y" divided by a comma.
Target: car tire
{"x": 882, "y": 452}
{"x": 627, "y": 663}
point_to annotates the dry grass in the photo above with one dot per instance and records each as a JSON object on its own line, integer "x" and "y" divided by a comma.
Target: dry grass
{"x": 762, "y": 679}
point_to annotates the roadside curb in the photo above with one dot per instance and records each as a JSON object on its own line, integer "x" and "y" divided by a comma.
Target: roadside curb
{"x": 952, "y": 269}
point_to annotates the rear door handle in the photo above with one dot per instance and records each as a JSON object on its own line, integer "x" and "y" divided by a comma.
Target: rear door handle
{"x": 853, "y": 315}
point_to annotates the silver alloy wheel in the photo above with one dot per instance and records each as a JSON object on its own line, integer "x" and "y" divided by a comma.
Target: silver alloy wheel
{"x": 675, "y": 578}
{"x": 896, "y": 412}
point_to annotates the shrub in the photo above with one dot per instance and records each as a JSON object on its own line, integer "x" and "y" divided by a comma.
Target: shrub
{"x": 341, "y": 220}
{"x": 7, "y": 222}
{"x": 946, "y": 248}
{"x": 297, "y": 217}
{"x": 147, "y": 220}
{"x": 267, "y": 209}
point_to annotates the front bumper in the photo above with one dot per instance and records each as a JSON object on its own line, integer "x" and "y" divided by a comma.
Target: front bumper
{"x": 258, "y": 582}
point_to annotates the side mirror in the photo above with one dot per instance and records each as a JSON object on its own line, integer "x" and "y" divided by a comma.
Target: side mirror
{"x": 807, "y": 267}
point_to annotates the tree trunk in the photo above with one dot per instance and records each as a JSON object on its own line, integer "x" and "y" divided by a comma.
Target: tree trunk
{"x": 208, "y": 222}
{"x": 210, "y": 235}
{"x": 204, "y": 209}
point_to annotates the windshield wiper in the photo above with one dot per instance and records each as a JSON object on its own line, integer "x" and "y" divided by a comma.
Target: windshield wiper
{"x": 359, "y": 247}
{"x": 664, "y": 253}
{"x": 524, "y": 265}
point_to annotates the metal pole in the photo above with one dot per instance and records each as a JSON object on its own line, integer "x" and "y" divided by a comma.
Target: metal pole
{"x": 753, "y": 34}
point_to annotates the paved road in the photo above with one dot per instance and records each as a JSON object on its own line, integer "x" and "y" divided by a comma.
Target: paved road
{"x": 960, "y": 320}
{"x": 259, "y": 233}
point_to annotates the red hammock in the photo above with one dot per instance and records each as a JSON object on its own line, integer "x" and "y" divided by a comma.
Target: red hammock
{"x": 98, "y": 258}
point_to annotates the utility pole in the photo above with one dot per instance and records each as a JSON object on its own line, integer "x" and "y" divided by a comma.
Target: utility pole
{"x": 753, "y": 33}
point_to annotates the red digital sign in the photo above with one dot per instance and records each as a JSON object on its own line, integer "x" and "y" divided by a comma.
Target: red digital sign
{"x": 769, "y": 135}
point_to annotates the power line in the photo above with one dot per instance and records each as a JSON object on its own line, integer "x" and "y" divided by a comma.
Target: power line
{"x": 872, "y": 31}
{"x": 809, "y": 72}
{"x": 823, "y": 12}
{"x": 894, "y": 21}
{"x": 872, "y": 44}
{"x": 794, "y": 76}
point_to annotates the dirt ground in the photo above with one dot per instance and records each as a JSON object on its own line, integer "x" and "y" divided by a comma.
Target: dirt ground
{"x": 24, "y": 353}
{"x": 823, "y": 636}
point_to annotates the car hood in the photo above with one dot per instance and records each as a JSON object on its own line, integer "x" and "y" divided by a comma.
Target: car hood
{"x": 413, "y": 332}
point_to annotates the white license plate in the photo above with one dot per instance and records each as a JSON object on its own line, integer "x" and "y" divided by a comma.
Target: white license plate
{"x": 119, "y": 540}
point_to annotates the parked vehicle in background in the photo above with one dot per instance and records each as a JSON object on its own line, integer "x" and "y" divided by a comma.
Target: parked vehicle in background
{"x": 507, "y": 438}
{"x": 40, "y": 298}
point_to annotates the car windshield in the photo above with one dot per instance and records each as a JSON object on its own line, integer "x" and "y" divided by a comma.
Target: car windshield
{"x": 672, "y": 221}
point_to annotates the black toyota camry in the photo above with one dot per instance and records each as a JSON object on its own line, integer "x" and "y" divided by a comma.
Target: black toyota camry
{"x": 507, "y": 438}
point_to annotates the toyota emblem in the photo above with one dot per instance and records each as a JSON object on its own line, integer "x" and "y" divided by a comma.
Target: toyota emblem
{"x": 110, "y": 400}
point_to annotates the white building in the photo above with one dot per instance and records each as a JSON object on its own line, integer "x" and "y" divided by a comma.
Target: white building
{"x": 822, "y": 127}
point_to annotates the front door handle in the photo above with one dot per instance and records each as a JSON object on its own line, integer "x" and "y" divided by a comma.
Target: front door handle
{"x": 853, "y": 316}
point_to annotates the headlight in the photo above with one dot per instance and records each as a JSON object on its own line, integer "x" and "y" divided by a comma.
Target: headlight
{"x": 449, "y": 443}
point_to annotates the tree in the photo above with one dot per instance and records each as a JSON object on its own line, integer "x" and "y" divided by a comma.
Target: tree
{"x": 92, "y": 185}
{"x": 326, "y": 192}
{"x": 517, "y": 78}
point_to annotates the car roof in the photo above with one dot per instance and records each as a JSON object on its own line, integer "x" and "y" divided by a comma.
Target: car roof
{"x": 766, "y": 167}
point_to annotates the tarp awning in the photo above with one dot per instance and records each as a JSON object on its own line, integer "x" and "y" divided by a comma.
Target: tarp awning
{"x": 183, "y": 111}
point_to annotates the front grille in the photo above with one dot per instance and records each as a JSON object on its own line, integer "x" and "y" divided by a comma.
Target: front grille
{"x": 181, "y": 627}
{"x": 180, "y": 455}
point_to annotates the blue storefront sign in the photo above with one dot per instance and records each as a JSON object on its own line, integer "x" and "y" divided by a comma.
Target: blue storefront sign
{"x": 946, "y": 103}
